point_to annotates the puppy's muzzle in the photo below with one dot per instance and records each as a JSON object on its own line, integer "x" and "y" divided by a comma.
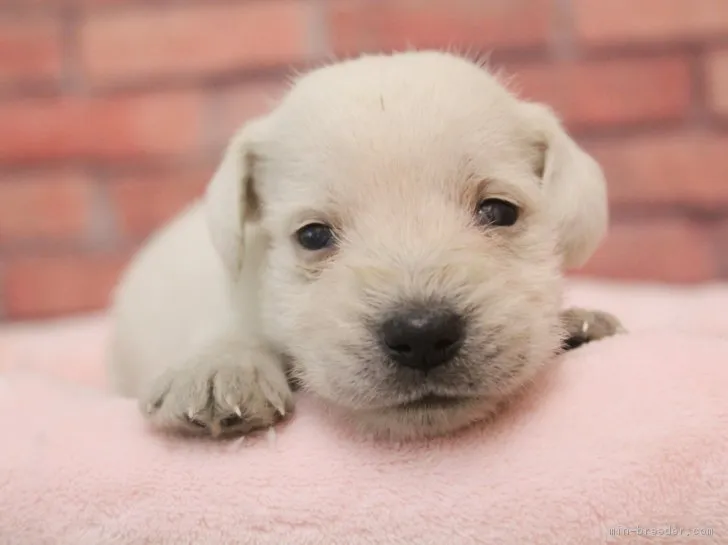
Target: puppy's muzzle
{"x": 422, "y": 337}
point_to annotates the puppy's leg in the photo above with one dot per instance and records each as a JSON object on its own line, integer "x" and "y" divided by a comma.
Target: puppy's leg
{"x": 584, "y": 325}
{"x": 229, "y": 386}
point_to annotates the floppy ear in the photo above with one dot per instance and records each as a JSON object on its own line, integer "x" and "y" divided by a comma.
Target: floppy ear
{"x": 574, "y": 188}
{"x": 230, "y": 200}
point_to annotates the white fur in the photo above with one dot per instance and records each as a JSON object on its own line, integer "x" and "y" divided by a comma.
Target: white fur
{"x": 395, "y": 152}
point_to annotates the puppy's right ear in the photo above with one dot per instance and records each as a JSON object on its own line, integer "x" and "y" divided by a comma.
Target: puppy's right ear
{"x": 231, "y": 199}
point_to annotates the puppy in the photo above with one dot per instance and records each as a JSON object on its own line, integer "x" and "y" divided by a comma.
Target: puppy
{"x": 392, "y": 237}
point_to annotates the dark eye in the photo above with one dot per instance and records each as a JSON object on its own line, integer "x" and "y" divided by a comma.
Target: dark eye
{"x": 315, "y": 236}
{"x": 497, "y": 212}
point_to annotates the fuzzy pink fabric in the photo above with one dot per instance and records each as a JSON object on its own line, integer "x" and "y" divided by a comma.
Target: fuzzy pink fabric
{"x": 623, "y": 441}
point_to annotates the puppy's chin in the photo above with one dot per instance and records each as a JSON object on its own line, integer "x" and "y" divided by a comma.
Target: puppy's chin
{"x": 422, "y": 419}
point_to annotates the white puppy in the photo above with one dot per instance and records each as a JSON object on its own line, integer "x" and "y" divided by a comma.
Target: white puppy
{"x": 393, "y": 234}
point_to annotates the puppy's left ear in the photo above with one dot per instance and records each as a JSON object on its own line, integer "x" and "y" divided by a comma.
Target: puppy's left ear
{"x": 574, "y": 187}
{"x": 231, "y": 200}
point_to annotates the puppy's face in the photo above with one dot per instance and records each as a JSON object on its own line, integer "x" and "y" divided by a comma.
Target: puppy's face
{"x": 417, "y": 218}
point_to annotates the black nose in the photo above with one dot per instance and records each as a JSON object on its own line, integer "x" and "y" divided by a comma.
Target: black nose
{"x": 422, "y": 338}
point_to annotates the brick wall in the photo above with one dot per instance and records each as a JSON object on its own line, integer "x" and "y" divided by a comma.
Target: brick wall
{"x": 113, "y": 113}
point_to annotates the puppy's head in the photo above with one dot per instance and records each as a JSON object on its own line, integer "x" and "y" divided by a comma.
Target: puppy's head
{"x": 416, "y": 219}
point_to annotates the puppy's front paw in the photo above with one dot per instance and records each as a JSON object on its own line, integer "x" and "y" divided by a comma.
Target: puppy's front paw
{"x": 227, "y": 390}
{"x": 584, "y": 325}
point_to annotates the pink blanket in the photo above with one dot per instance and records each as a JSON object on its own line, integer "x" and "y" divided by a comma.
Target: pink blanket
{"x": 624, "y": 441}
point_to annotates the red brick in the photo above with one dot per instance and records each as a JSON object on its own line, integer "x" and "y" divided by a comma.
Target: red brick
{"x": 686, "y": 169}
{"x": 717, "y": 80}
{"x": 629, "y": 21}
{"x": 193, "y": 40}
{"x": 30, "y": 51}
{"x": 145, "y": 202}
{"x": 239, "y": 104}
{"x": 398, "y": 24}
{"x": 669, "y": 250}
{"x": 114, "y": 127}
{"x": 44, "y": 286}
{"x": 611, "y": 92}
{"x": 51, "y": 206}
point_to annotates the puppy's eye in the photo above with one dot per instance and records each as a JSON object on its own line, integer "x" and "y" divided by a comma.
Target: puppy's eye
{"x": 497, "y": 212}
{"x": 315, "y": 236}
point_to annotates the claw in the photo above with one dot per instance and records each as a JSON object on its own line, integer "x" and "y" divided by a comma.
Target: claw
{"x": 280, "y": 409}
{"x": 271, "y": 434}
{"x": 237, "y": 443}
{"x": 215, "y": 428}
{"x": 585, "y": 327}
{"x": 191, "y": 418}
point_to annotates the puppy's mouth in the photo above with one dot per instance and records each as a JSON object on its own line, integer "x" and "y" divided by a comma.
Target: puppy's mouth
{"x": 431, "y": 401}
